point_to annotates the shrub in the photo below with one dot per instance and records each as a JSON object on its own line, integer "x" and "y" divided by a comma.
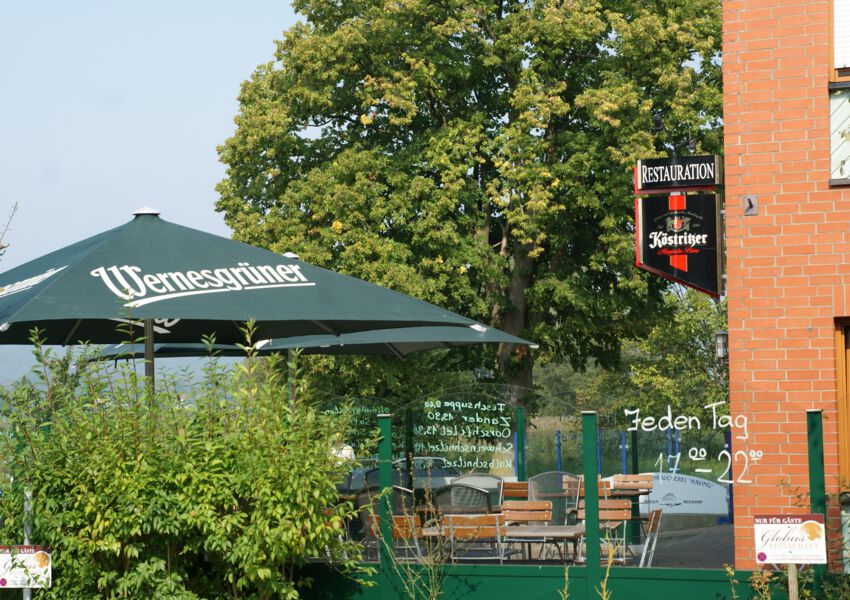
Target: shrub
{"x": 216, "y": 488}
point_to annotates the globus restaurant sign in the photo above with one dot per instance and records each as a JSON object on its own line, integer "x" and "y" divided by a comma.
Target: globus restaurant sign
{"x": 790, "y": 539}
{"x": 25, "y": 567}
{"x": 678, "y": 235}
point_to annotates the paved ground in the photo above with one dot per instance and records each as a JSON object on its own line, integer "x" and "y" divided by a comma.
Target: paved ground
{"x": 704, "y": 548}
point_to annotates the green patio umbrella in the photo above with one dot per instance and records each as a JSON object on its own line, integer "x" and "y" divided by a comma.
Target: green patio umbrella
{"x": 392, "y": 342}
{"x": 181, "y": 284}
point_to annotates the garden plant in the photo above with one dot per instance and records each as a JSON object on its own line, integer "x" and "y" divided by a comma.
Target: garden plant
{"x": 217, "y": 487}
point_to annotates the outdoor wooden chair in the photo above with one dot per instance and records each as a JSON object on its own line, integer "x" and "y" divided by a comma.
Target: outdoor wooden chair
{"x": 603, "y": 487}
{"x": 492, "y": 483}
{"x": 526, "y": 512}
{"x": 406, "y": 533}
{"x": 653, "y": 526}
{"x": 558, "y": 487}
{"x": 613, "y": 516}
{"x": 476, "y": 537}
{"x": 401, "y": 508}
{"x": 459, "y": 498}
{"x": 515, "y": 490}
{"x": 641, "y": 482}
{"x": 603, "y": 491}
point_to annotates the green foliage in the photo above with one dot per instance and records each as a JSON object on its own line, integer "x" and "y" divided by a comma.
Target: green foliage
{"x": 675, "y": 365}
{"x": 220, "y": 488}
{"x": 836, "y": 586}
{"x": 476, "y": 154}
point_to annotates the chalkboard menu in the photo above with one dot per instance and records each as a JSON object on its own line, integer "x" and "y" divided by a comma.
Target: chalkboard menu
{"x": 362, "y": 415}
{"x": 471, "y": 434}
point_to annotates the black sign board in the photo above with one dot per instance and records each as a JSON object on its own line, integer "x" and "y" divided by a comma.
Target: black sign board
{"x": 678, "y": 237}
{"x": 683, "y": 173}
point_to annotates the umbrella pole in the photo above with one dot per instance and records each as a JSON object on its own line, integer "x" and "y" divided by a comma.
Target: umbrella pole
{"x": 149, "y": 366}
{"x": 290, "y": 366}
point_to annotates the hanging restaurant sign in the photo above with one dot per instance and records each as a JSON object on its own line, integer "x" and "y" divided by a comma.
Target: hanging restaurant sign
{"x": 682, "y": 173}
{"x": 678, "y": 237}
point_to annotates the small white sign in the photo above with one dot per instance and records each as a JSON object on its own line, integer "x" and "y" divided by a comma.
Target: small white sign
{"x": 679, "y": 494}
{"x": 25, "y": 567}
{"x": 790, "y": 539}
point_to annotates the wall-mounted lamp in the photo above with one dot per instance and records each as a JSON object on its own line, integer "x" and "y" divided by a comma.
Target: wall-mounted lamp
{"x": 721, "y": 340}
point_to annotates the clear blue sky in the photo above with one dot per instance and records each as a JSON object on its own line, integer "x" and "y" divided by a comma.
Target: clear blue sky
{"x": 109, "y": 106}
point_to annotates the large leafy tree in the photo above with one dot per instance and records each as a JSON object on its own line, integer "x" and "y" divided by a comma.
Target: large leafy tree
{"x": 477, "y": 154}
{"x": 674, "y": 365}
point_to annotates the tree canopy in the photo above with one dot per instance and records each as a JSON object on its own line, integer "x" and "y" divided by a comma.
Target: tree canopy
{"x": 675, "y": 365}
{"x": 477, "y": 154}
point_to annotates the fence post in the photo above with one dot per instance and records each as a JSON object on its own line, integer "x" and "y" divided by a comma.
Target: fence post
{"x": 27, "y": 592}
{"x": 730, "y": 518}
{"x": 669, "y": 447}
{"x": 520, "y": 443}
{"x": 623, "y": 459}
{"x": 516, "y": 455}
{"x": 591, "y": 502}
{"x": 598, "y": 449}
{"x": 385, "y": 480}
{"x": 817, "y": 484}
{"x": 558, "y": 449}
{"x": 408, "y": 447}
{"x": 635, "y": 457}
{"x": 634, "y": 529}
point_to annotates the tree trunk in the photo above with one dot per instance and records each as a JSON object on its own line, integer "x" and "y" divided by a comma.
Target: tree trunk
{"x": 515, "y": 362}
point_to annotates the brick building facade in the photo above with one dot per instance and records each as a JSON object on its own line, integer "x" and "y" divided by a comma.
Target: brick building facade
{"x": 788, "y": 266}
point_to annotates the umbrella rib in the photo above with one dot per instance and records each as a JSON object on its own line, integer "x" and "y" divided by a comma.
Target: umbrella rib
{"x": 394, "y": 350}
{"x": 72, "y": 332}
{"x": 324, "y": 327}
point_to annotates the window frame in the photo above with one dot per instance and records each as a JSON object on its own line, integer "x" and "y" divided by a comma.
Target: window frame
{"x": 836, "y": 74}
{"x": 844, "y": 181}
{"x": 842, "y": 371}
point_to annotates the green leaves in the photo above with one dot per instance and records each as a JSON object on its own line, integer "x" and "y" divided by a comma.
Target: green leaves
{"x": 674, "y": 365}
{"x": 204, "y": 489}
{"x": 477, "y": 154}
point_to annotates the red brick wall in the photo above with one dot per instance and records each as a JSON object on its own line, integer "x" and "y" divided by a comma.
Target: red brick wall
{"x": 788, "y": 268}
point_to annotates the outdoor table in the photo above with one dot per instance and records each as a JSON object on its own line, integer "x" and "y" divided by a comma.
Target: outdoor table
{"x": 627, "y": 493}
{"x": 555, "y": 533}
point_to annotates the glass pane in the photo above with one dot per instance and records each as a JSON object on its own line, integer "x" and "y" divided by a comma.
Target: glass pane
{"x": 839, "y": 124}
{"x": 841, "y": 20}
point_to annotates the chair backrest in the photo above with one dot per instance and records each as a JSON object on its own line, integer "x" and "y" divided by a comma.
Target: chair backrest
{"x": 371, "y": 477}
{"x": 492, "y": 483}
{"x": 474, "y": 527}
{"x": 516, "y": 490}
{"x": 653, "y": 522}
{"x": 367, "y": 502}
{"x": 405, "y": 527}
{"x": 641, "y": 481}
{"x": 403, "y": 500}
{"x": 603, "y": 487}
{"x": 653, "y": 525}
{"x": 459, "y": 498}
{"x": 550, "y": 482}
{"x": 610, "y": 509}
{"x": 355, "y": 480}
{"x": 527, "y": 511}
{"x": 560, "y": 488}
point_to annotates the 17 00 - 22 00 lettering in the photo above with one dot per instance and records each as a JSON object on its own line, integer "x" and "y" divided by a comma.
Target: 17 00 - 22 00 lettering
{"x": 672, "y": 461}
